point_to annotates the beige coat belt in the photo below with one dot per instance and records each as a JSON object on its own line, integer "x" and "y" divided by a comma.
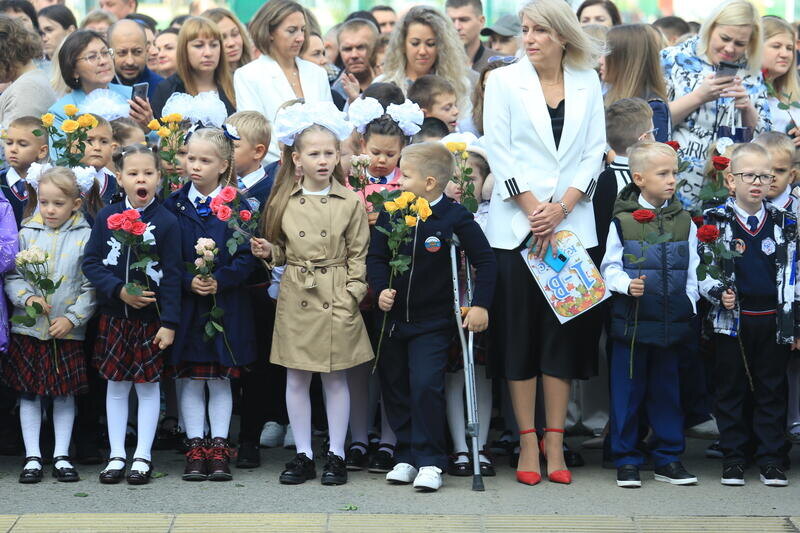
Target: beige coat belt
{"x": 309, "y": 267}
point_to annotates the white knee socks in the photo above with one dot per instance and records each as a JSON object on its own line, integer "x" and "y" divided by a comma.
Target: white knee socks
{"x": 149, "y": 396}
{"x": 193, "y": 406}
{"x": 30, "y": 418}
{"x": 117, "y": 419}
{"x": 63, "y": 419}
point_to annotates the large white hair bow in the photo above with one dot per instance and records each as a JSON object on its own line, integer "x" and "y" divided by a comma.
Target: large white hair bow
{"x": 35, "y": 172}
{"x": 205, "y": 108}
{"x": 363, "y": 111}
{"x": 407, "y": 115}
{"x": 293, "y": 120}
{"x": 106, "y": 104}
{"x": 85, "y": 176}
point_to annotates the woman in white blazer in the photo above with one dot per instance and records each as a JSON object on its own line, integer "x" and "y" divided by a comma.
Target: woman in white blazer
{"x": 545, "y": 135}
{"x": 280, "y": 32}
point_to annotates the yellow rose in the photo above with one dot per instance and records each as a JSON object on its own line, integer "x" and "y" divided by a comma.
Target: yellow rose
{"x": 154, "y": 125}
{"x": 409, "y": 196}
{"x": 69, "y": 126}
{"x": 464, "y": 155}
{"x": 87, "y": 121}
{"x": 411, "y": 221}
{"x": 452, "y": 146}
{"x": 47, "y": 119}
{"x": 70, "y": 110}
{"x": 163, "y": 132}
{"x": 423, "y": 208}
{"x": 401, "y": 201}
{"x": 174, "y": 117}
{"x": 390, "y": 207}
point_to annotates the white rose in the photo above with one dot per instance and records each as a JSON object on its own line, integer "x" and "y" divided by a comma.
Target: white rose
{"x": 208, "y": 255}
{"x": 199, "y": 263}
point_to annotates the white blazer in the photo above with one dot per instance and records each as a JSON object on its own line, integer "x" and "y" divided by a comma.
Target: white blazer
{"x": 523, "y": 155}
{"x": 262, "y": 86}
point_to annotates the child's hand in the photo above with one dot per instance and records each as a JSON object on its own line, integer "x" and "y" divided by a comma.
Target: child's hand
{"x": 636, "y": 288}
{"x": 260, "y": 248}
{"x": 477, "y": 319}
{"x": 386, "y": 300}
{"x": 164, "y": 338}
{"x": 204, "y": 286}
{"x": 137, "y": 302}
{"x": 728, "y": 299}
{"x": 372, "y": 218}
{"x": 41, "y": 301}
{"x": 796, "y": 344}
{"x": 60, "y": 327}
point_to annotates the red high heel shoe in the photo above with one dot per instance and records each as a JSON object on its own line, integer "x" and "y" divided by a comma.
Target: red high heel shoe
{"x": 528, "y": 478}
{"x": 559, "y": 476}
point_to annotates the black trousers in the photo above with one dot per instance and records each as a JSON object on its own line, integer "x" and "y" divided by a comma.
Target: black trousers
{"x": 743, "y": 414}
{"x": 412, "y": 367}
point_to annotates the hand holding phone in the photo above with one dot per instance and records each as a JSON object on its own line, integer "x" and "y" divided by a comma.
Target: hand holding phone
{"x": 140, "y": 90}
{"x": 727, "y": 70}
{"x": 558, "y": 262}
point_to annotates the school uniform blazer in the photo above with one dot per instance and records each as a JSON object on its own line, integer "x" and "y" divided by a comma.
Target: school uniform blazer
{"x": 262, "y": 86}
{"x": 523, "y": 154}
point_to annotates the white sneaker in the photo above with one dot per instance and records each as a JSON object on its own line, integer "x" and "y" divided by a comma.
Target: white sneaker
{"x": 402, "y": 474}
{"x": 288, "y": 438}
{"x": 429, "y": 479}
{"x": 272, "y": 435}
{"x": 705, "y": 430}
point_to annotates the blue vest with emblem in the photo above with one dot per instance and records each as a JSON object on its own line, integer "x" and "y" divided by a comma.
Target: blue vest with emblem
{"x": 756, "y": 269}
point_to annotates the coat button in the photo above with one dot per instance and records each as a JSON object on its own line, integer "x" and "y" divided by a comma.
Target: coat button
{"x": 323, "y": 270}
{"x": 324, "y": 200}
{"x": 302, "y": 201}
{"x": 302, "y": 233}
{"x": 322, "y": 233}
{"x": 304, "y": 304}
{"x": 325, "y": 305}
{"x": 303, "y": 270}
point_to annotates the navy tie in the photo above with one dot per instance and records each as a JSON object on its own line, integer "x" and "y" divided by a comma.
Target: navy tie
{"x": 240, "y": 184}
{"x": 752, "y": 222}
{"x": 378, "y": 181}
{"x": 20, "y": 188}
{"x": 203, "y": 206}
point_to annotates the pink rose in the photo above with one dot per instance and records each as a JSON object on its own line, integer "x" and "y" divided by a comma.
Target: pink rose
{"x": 126, "y": 225}
{"x": 227, "y": 194}
{"x": 131, "y": 214}
{"x": 114, "y": 221}
{"x": 138, "y": 228}
{"x": 224, "y": 213}
{"x": 245, "y": 215}
{"x": 199, "y": 263}
{"x": 216, "y": 202}
{"x": 208, "y": 255}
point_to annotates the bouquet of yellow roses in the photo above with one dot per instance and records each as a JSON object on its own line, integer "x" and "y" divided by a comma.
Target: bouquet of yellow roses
{"x": 69, "y": 140}
{"x": 405, "y": 210}
{"x": 463, "y": 177}
{"x": 172, "y": 136}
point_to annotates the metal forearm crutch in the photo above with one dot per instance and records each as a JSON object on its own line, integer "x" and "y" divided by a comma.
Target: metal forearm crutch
{"x": 469, "y": 366}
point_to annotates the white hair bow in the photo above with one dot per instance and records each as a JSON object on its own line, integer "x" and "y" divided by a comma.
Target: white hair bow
{"x": 293, "y": 120}
{"x": 407, "y": 115}
{"x": 106, "y": 104}
{"x": 205, "y": 108}
{"x": 35, "y": 172}
{"x": 85, "y": 176}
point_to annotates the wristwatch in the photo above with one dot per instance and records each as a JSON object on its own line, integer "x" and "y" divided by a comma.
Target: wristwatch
{"x": 564, "y": 208}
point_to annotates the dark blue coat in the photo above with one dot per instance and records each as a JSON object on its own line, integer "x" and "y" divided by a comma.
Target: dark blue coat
{"x": 232, "y": 294}
{"x": 16, "y": 200}
{"x": 147, "y": 75}
{"x": 260, "y": 191}
{"x": 108, "y": 278}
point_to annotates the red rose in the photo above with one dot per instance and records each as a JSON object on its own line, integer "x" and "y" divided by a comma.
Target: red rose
{"x": 698, "y": 220}
{"x": 245, "y": 215}
{"x": 227, "y": 194}
{"x": 216, "y": 202}
{"x": 126, "y": 225}
{"x": 708, "y": 233}
{"x": 138, "y": 228}
{"x": 643, "y": 216}
{"x": 675, "y": 145}
{"x": 720, "y": 163}
{"x": 114, "y": 221}
{"x": 131, "y": 214}
{"x": 224, "y": 213}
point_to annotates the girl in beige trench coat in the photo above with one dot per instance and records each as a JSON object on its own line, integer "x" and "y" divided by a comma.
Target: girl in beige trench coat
{"x": 318, "y": 229}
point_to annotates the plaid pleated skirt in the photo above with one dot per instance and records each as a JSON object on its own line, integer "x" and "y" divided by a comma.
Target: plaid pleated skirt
{"x": 31, "y": 367}
{"x": 124, "y": 350}
{"x": 211, "y": 370}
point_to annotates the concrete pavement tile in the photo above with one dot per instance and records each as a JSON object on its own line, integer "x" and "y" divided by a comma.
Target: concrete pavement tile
{"x": 367, "y": 523}
{"x": 285, "y": 523}
{"x": 728, "y": 524}
{"x": 553, "y": 523}
{"x": 7, "y": 521}
{"x": 93, "y": 522}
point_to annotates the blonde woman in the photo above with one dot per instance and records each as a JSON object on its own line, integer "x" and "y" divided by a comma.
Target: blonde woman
{"x": 236, "y": 40}
{"x": 425, "y": 42}
{"x": 201, "y": 66}
{"x": 544, "y": 132}
{"x": 632, "y": 69}
{"x": 700, "y": 97}
{"x": 779, "y": 65}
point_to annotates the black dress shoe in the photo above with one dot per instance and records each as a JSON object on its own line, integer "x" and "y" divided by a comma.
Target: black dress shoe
{"x": 31, "y": 475}
{"x": 66, "y": 475}
{"x": 675, "y": 474}
{"x": 356, "y": 459}
{"x": 628, "y": 477}
{"x": 335, "y": 471}
{"x": 249, "y": 455}
{"x": 111, "y": 476}
{"x": 459, "y": 469}
{"x": 298, "y": 470}
{"x": 382, "y": 462}
{"x": 137, "y": 477}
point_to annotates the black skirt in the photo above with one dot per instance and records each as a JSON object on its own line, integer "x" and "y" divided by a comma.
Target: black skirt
{"x": 526, "y": 338}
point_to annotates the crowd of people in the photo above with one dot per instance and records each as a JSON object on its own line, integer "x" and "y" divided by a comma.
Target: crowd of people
{"x": 258, "y": 219}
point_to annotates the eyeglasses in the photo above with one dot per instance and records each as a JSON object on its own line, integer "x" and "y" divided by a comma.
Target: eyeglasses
{"x": 135, "y": 52}
{"x": 750, "y": 178}
{"x": 508, "y": 60}
{"x": 94, "y": 57}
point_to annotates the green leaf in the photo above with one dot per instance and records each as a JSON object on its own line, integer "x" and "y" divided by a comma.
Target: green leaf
{"x": 46, "y": 284}
{"x": 24, "y": 320}
{"x": 157, "y": 475}
{"x": 38, "y": 132}
{"x": 209, "y": 330}
{"x": 349, "y": 507}
{"x": 217, "y": 312}
{"x": 470, "y": 203}
{"x": 782, "y": 106}
{"x": 80, "y": 495}
{"x": 232, "y": 246}
{"x": 57, "y": 285}
{"x": 34, "y": 310}
{"x": 217, "y": 326}
{"x": 141, "y": 264}
{"x": 134, "y": 289}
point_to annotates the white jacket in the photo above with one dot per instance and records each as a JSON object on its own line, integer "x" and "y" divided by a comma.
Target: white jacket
{"x": 523, "y": 155}
{"x": 262, "y": 86}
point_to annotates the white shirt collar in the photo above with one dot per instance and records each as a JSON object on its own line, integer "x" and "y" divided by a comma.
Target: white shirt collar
{"x": 194, "y": 194}
{"x": 433, "y": 203}
{"x": 743, "y": 215}
{"x": 620, "y": 160}
{"x": 323, "y": 192}
{"x": 130, "y": 206}
{"x": 12, "y": 176}
{"x": 781, "y": 200}
{"x": 254, "y": 177}
{"x": 644, "y": 203}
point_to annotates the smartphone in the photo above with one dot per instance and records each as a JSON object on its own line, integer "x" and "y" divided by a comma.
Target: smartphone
{"x": 558, "y": 262}
{"x": 726, "y": 69}
{"x": 140, "y": 90}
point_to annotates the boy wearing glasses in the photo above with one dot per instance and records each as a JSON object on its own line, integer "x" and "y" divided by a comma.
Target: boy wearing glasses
{"x": 758, "y": 303}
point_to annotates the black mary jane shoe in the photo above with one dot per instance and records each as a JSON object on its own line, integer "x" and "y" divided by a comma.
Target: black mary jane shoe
{"x": 137, "y": 477}
{"x": 65, "y": 475}
{"x": 487, "y": 468}
{"x": 31, "y": 475}
{"x": 459, "y": 469}
{"x": 111, "y": 476}
{"x": 335, "y": 470}
{"x": 356, "y": 459}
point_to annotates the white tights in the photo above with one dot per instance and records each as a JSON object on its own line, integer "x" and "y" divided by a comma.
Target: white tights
{"x": 30, "y": 418}
{"x": 149, "y": 397}
{"x": 337, "y": 407}
{"x": 192, "y": 403}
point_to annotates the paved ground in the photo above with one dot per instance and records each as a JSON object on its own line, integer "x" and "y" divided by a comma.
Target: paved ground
{"x": 593, "y": 492}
